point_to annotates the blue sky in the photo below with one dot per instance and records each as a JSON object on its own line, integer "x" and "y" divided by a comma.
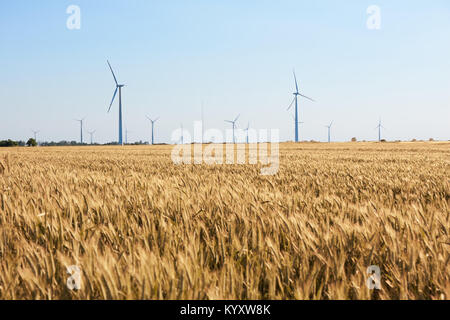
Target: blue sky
{"x": 236, "y": 57}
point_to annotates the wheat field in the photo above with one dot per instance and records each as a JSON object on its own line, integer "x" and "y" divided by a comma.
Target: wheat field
{"x": 140, "y": 227}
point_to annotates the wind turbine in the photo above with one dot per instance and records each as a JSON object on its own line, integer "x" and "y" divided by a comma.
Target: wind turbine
{"x": 296, "y": 94}
{"x": 299, "y": 122}
{"x": 182, "y": 134}
{"x": 233, "y": 122}
{"x": 126, "y": 135}
{"x": 379, "y": 130}
{"x": 91, "y": 134}
{"x": 153, "y": 123}
{"x": 329, "y": 130}
{"x": 81, "y": 128}
{"x": 246, "y": 129}
{"x": 35, "y": 134}
{"x": 118, "y": 87}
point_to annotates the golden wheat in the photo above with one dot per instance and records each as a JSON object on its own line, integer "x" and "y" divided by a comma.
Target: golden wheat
{"x": 140, "y": 227}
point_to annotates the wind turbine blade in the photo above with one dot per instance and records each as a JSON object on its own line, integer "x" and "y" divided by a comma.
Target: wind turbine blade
{"x": 112, "y": 72}
{"x": 291, "y": 104}
{"x": 115, "y": 92}
{"x": 148, "y": 118}
{"x": 237, "y": 118}
{"x": 295, "y": 78}
{"x": 228, "y": 121}
{"x": 306, "y": 97}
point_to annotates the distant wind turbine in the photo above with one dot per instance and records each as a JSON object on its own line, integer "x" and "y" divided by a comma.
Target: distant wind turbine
{"x": 233, "y": 122}
{"x": 296, "y": 94}
{"x": 379, "y": 130}
{"x": 118, "y": 87}
{"x": 153, "y": 123}
{"x": 126, "y": 135}
{"x": 299, "y": 122}
{"x": 246, "y": 129}
{"x": 182, "y": 134}
{"x": 81, "y": 128}
{"x": 35, "y": 134}
{"x": 92, "y": 134}
{"x": 329, "y": 130}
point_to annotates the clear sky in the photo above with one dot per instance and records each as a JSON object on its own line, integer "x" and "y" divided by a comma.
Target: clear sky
{"x": 236, "y": 57}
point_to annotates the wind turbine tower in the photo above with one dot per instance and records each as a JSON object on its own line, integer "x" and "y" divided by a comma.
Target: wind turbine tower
{"x": 182, "y": 134}
{"x": 81, "y": 128}
{"x": 153, "y": 123}
{"x": 379, "y": 130}
{"x": 296, "y": 94}
{"x": 246, "y": 129}
{"x": 35, "y": 134}
{"x": 119, "y": 88}
{"x": 329, "y": 131}
{"x": 299, "y": 122}
{"x": 233, "y": 122}
{"x": 126, "y": 135}
{"x": 91, "y": 133}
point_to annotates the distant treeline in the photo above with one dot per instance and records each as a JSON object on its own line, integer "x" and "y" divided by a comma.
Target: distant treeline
{"x": 12, "y": 143}
{"x": 75, "y": 143}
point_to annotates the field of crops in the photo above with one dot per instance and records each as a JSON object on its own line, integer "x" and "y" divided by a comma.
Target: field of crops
{"x": 140, "y": 227}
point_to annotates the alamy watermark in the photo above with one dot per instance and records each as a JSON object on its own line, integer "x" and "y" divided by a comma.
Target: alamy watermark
{"x": 74, "y": 281}
{"x": 250, "y": 146}
{"x": 74, "y": 20}
{"x": 374, "y": 18}
{"x": 374, "y": 279}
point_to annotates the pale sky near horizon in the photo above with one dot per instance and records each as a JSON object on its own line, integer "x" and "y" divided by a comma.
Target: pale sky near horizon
{"x": 235, "y": 56}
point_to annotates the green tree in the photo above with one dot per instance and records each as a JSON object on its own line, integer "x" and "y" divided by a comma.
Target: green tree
{"x": 31, "y": 142}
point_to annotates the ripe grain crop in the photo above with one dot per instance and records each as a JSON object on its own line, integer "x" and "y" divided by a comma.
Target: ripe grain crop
{"x": 140, "y": 227}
